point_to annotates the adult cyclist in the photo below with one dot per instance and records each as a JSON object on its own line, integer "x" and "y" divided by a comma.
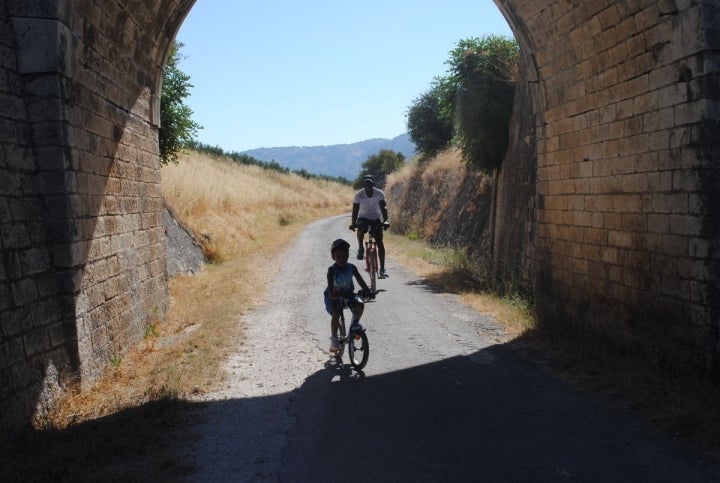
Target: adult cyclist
{"x": 368, "y": 208}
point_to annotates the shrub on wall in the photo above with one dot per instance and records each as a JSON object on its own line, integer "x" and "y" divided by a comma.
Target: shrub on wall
{"x": 471, "y": 105}
{"x": 485, "y": 71}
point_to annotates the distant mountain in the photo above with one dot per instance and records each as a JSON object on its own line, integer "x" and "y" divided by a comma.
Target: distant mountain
{"x": 338, "y": 160}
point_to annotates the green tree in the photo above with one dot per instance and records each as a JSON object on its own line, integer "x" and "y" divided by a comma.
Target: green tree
{"x": 484, "y": 72}
{"x": 379, "y": 166}
{"x": 430, "y": 117}
{"x": 177, "y": 129}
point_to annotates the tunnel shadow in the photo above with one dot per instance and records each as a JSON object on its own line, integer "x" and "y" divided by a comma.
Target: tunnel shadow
{"x": 487, "y": 416}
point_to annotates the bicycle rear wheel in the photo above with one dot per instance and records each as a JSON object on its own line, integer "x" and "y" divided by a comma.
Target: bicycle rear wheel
{"x": 358, "y": 347}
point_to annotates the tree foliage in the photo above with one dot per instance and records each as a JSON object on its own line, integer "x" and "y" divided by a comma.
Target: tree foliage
{"x": 471, "y": 105}
{"x": 485, "y": 71}
{"x": 177, "y": 129}
{"x": 379, "y": 166}
{"x": 429, "y": 119}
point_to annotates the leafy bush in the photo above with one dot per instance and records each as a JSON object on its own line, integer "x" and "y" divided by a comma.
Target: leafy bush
{"x": 485, "y": 71}
{"x": 429, "y": 119}
{"x": 471, "y": 106}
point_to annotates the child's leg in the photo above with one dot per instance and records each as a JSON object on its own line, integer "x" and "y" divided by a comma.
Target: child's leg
{"x": 335, "y": 321}
{"x": 357, "y": 312}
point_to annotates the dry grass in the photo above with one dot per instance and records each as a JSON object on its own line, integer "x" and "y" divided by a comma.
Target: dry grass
{"x": 231, "y": 206}
{"x": 446, "y": 163}
{"x": 445, "y": 269}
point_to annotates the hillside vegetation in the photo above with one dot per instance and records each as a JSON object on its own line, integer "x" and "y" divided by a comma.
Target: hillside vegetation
{"x": 234, "y": 207}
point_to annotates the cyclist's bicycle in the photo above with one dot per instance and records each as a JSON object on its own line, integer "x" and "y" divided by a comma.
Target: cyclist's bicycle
{"x": 371, "y": 253}
{"x": 355, "y": 338}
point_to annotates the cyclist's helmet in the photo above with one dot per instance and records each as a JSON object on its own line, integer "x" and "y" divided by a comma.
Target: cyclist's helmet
{"x": 339, "y": 243}
{"x": 368, "y": 178}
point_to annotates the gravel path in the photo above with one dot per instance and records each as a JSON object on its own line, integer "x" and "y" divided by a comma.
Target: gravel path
{"x": 443, "y": 398}
{"x": 244, "y": 430}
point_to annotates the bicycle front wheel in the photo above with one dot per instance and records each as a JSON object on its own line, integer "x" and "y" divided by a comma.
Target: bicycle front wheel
{"x": 341, "y": 337}
{"x": 358, "y": 348}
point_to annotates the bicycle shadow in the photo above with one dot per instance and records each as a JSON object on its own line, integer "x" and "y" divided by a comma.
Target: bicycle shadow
{"x": 339, "y": 371}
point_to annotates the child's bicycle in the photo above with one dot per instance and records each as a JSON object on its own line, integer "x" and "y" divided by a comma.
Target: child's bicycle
{"x": 356, "y": 339}
{"x": 371, "y": 254}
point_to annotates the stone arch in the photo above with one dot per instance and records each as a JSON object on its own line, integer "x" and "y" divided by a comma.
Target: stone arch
{"x": 625, "y": 235}
{"x": 622, "y": 240}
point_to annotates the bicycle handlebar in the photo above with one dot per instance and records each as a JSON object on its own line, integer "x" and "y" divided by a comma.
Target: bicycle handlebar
{"x": 384, "y": 226}
{"x": 369, "y": 295}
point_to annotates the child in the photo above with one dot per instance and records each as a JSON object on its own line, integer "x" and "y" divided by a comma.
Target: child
{"x": 340, "y": 284}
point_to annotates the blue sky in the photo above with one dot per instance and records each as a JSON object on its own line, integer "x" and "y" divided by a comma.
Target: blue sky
{"x": 286, "y": 73}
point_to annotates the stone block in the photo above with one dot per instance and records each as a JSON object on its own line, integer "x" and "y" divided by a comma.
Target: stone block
{"x": 47, "y": 286}
{"x": 621, "y": 239}
{"x": 53, "y": 158}
{"x": 685, "y": 225}
{"x": 4, "y": 296}
{"x": 14, "y": 236}
{"x": 35, "y": 260}
{"x": 24, "y": 291}
{"x": 43, "y": 45}
{"x": 633, "y": 183}
{"x": 70, "y": 255}
{"x": 100, "y": 339}
{"x": 11, "y": 352}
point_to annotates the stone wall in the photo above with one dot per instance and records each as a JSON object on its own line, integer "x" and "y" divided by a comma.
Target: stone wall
{"x": 83, "y": 268}
{"x": 626, "y": 178}
{"x": 38, "y": 348}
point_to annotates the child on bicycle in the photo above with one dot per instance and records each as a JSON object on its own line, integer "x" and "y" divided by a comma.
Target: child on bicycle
{"x": 340, "y": 285}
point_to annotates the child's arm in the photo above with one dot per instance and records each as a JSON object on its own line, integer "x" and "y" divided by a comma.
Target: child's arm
{"x": 360, "y": 280}
{"x": 330, "y": 281}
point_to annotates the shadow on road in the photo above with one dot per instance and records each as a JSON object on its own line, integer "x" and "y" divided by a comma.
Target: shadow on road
{"x": 488, "y": 416}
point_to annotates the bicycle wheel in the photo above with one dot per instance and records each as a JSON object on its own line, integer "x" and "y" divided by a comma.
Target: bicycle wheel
{"x": 341, "y": 337}
{"x": 372, "y": 268}
{"x": 358, "y": 347}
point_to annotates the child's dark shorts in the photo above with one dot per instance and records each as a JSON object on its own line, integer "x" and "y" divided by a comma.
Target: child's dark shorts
{"x": 351, "y": 302}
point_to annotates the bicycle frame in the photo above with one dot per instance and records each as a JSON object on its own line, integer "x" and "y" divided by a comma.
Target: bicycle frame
{"x": 371, "y": 256}
{"x": 355, "y": 338}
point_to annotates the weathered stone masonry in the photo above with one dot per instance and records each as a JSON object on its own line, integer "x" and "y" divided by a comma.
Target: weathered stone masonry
{"x": 626, "y": 230}
{"x": 82, "y": 273}
{"x": 622, "y": 234}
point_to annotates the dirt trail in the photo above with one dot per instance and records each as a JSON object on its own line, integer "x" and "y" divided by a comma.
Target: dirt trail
{"x": 445, "y": 397}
